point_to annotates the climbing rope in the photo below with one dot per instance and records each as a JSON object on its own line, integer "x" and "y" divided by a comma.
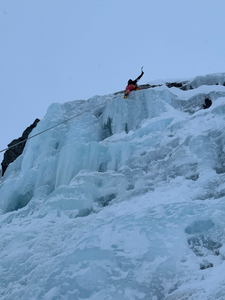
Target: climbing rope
{"x": 146, "y": 86}
{"x": 31, "y": 137}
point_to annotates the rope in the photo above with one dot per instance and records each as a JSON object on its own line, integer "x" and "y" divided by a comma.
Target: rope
{"x": 31, "y": 137}
{"x": 146, "y": 86}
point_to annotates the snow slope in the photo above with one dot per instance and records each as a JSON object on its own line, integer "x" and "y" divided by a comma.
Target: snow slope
{"x": 126, "y": 201}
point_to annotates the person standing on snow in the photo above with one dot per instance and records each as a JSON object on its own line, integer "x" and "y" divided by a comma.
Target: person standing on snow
{"x": 132, "y": 84}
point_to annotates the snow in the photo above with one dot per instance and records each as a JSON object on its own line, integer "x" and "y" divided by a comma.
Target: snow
{"x": 124, "y": 201}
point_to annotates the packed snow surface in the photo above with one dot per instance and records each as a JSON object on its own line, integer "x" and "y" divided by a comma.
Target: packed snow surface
{"x": 125, "y": 201}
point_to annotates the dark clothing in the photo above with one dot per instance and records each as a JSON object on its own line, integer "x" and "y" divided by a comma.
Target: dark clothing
{"x": 207, "y": 104}
{"x": 134, "y": 82}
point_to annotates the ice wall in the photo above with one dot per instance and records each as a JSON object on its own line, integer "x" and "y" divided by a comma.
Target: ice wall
{"x": 131, "y": 134}
{"x": 87, "y": 142}
{"x": 124, "y": 201}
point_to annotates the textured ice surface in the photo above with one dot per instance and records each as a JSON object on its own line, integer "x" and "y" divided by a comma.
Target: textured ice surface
{"x": 125, "y": 201}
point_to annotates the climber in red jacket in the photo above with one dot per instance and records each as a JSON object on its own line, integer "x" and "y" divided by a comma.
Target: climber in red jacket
{"x": 132, "y": 84}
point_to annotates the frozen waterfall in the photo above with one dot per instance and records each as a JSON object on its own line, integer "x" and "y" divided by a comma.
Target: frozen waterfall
{"x": 126, "y": 201}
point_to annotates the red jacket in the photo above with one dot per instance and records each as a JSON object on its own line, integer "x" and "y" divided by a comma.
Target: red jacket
{"x": 132, "y": 87}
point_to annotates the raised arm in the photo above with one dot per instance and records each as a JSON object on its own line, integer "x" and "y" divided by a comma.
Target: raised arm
{"x": 139, "y": 77}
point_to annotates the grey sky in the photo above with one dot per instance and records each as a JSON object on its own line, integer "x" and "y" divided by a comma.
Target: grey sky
{"x": 64, "y": 50}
